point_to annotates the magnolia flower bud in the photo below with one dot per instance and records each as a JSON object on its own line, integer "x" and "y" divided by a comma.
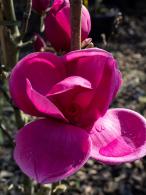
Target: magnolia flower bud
{"x": 39, "y": 43}
{"x": 58, "y": 27}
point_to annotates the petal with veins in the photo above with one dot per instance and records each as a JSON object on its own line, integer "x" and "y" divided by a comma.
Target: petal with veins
{"x": 49, "y": 151}
{"x": 119, "y": 136}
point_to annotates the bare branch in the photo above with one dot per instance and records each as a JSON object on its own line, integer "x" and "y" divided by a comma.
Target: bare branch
{"x": 5, "y": 132}
{"x": 9, "y": 13}
{"x": 26, "y": 17}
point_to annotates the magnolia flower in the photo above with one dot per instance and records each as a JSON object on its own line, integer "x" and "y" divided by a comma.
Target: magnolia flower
{"x": 40, "y": 5}
{"x": 72, "y": 94}
{"x": 57, "y": 25}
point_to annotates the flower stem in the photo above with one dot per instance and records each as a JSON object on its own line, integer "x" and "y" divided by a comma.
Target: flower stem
{"x": 75, "y": 6}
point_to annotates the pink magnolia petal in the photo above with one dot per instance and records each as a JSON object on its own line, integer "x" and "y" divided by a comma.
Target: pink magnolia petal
{"x": 42, "y": 69}
{"x": 43, "y": 104}
{"x": 100, "y": 68}
{"x": 118, "y": 82}
{"x": 72, "y": 95}
{"x": 85, "y": 23}
{"x": 57, "y": 3}
{"x": 103, "y": 94}
{"x": 68, "y": 84}
{"x": 56, "y": 24}
{"x": 119, "y": 136}
{"x": 49, "y": 151}
{"x": 87, "y": 63}
{"x": 84, "y": 98}
{"x": 108, "y": 86}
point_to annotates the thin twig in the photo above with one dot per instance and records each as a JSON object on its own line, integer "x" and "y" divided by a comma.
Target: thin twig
{"x": 26, "y": 17}
{"x": 25, "y": 44}
{"x": 2, "y": 37}
{"x": 5, "y": 95}
{"x": 19, "y": 121}
{"x": 2, "y": 127}
{"x": 18, "y": 117}
{"x": 9, "y": 13}
{"x": 116, "y": 23}
{"x": 75, "y": 6}
{"x": 27, "y": 185}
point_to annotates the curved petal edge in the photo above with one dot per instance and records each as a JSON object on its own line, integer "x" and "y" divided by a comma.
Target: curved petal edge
{"x": 42, "y": 104}
{"x": 49, "y": 151}
{"x": 119, "y": 136}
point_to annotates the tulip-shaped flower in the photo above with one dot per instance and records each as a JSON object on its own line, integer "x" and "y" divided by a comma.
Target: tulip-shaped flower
{"x": 58, "y": 27}
{"x": 40, "y": 6}
{"x": 72, "y": 94}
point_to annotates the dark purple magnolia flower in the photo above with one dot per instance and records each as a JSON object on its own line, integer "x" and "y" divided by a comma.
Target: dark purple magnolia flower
{"x": 71, "y": 94}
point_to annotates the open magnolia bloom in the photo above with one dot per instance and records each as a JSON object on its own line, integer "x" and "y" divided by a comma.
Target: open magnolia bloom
{"x": 72, "y": 94}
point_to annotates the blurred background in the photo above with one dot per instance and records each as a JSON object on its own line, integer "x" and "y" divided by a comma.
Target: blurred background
{"x": 118, "y": 26}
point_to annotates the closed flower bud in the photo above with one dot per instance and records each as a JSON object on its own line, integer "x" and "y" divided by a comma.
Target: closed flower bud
{"x": 39, "y": 43}
{"x": 58, "y": 27}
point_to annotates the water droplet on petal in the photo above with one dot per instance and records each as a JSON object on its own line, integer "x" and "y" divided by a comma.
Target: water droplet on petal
{"x": 99, "y": 128}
